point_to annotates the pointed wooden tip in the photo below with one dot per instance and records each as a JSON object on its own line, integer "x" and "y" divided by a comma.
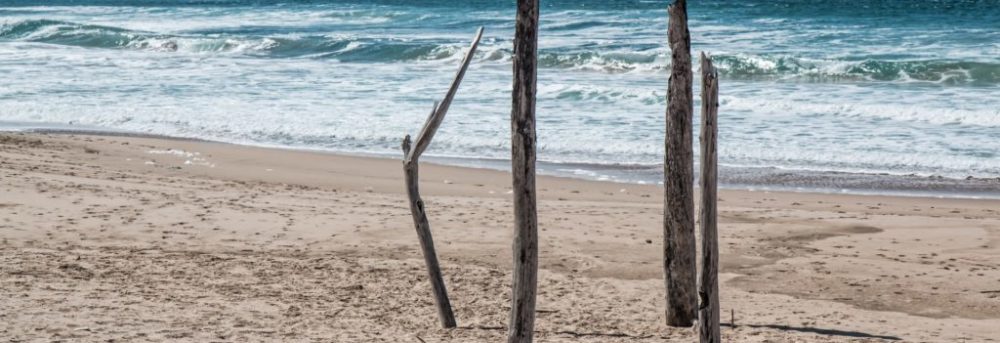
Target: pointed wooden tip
{"x": 406, "y": 146}
{"x": 708, "y": 68}
{"x": 475, "y": 41}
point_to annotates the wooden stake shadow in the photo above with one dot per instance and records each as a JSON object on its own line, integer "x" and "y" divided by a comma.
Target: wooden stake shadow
{"x": 828, "y": 332}
{"x": 821, "y": 331}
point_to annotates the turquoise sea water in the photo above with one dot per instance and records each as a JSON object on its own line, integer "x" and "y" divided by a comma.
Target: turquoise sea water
{"x": 858, "y": 95}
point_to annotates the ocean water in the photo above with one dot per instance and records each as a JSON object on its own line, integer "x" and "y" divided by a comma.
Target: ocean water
{"x": 859, "y": 96}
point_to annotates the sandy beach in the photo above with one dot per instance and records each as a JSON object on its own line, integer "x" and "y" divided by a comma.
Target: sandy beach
{"x": 109, "y": 238}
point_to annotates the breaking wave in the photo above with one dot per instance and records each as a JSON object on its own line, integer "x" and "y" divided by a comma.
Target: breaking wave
{"x": 786, "y": 67}
{"x": 389, "y": 50}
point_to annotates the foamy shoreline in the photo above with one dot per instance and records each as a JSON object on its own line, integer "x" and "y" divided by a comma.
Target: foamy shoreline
{"x": 734, "y": 178}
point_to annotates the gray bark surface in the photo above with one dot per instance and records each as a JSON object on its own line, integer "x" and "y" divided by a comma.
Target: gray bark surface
{"x": 522, "y": 125}
{"x": 708, "y": 287}
{"x": 411, "y": 170}
{"x": 678, "y": 178}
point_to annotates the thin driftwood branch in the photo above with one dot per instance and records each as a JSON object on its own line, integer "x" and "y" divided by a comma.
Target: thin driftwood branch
{"x": 437, "y": 114}
{"x": 708, "y": 288}
{"x": 411, "y": 155}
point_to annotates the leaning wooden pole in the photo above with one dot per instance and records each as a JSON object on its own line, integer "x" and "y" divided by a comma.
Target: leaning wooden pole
{"x": 522, "y": 126}
{"x": 708, "y": 287}
{"x": 678, "y": 178}
{"x": 411, "y": 157}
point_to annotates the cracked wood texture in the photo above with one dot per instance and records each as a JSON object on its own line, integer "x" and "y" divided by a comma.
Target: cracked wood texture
{"x": 522, "y": 125}
{"x": 708, "y": 287}
{"x": 678, "y": 178}
{"x": 411, "y": 157}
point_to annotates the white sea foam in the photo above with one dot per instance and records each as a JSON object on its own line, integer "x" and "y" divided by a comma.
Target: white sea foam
{"x": 297, "y": 76}
{"x": 190, "y": 158}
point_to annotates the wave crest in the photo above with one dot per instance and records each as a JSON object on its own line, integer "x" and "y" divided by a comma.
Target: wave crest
{"x": 823, "y": 70}
{"x": 389, "y": 50}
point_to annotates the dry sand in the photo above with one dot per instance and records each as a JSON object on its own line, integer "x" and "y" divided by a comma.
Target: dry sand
{"x": 127, "y": 239}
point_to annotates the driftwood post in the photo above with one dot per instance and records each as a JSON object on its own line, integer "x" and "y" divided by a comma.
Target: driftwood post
{"x": 678, "y": 178}
{"x": 708, "y": 288}
{"x": 522, "y": 126}
{"x": 410, "y": 168}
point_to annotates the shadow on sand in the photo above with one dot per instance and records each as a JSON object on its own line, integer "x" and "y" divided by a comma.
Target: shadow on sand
{"x": 829, "y": 332}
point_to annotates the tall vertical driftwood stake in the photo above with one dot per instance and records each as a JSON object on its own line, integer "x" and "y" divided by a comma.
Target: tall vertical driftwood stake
{"x": 410, "y": 168}
{"x": 708, "y": 288}
{"x": 522, "y": 126}
{"x": 678, "y": 178}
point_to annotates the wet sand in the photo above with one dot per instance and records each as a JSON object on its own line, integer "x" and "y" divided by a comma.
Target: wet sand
{"x": 127, "y": 238}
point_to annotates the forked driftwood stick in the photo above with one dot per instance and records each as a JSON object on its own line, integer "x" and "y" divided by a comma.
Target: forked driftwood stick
{"x": 708, "y": 311}
{"x": 411, "y": 156}
{"x": 679, "y": 270}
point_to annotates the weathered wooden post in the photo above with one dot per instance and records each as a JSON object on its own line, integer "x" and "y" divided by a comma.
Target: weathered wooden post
{"x": 678, "y": 178}
{"x": 522, "y": 126}
{"x": 708, "y": 288}
{"x": 410, "y": 168}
